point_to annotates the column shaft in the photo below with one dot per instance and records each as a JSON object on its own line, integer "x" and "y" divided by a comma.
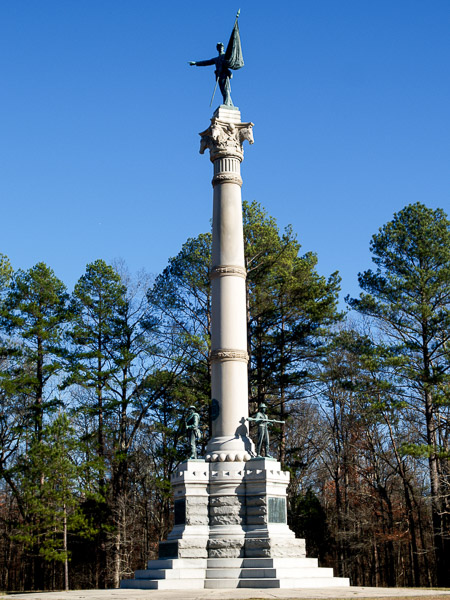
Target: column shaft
{"x": 229, "y": 357}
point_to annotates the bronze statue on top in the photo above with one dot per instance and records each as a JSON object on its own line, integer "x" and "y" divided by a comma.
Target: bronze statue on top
{"x": 230, "y": 59}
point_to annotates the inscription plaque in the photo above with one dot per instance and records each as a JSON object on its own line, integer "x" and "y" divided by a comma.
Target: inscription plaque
{"x": 277, "y": 510}
{"x": 180, "y": 511}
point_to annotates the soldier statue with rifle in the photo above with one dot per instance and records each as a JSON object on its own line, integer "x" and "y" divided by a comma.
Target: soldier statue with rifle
{"x": 230, "y": 59}
{"x": 192, "y": 424}
{"x": 262, "y": 420}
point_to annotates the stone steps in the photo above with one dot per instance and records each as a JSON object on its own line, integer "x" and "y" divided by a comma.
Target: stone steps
{"x": 229, "y": 573}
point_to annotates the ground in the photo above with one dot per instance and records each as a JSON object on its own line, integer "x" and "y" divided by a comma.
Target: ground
{"x": 361, "y": 593}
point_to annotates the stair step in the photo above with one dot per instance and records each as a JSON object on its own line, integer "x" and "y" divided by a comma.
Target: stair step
{"x": 241, "y": 583}
{"x": 269, "y": 573}
{"x": 178, "y": 563}
{"x": 185, "y": 573}
{"x": 315, "y": 582}
{"x": 306, "y": 582}
{"x": 263, "y": 563}
{"x": 241, "y": 573}
{"x": 163, "y": 584}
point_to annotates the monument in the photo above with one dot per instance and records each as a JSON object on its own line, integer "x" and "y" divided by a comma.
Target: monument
{"x": 230, "y": 522}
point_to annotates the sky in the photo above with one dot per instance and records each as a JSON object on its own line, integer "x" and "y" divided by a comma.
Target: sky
{"x": 100, "y": 114}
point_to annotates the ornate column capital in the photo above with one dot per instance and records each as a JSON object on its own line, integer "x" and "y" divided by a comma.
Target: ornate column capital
{"x": 225, "y": 139}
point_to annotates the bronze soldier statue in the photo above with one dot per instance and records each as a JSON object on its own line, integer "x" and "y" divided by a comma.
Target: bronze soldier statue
{"x": 192, "y": 426}
{"x": 222, "y": 72}
{"x": 230, "y": 59}
{"x": 262, "y": 420}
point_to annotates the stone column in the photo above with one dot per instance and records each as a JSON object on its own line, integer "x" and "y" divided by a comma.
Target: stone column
{"x": 229, "y": 381}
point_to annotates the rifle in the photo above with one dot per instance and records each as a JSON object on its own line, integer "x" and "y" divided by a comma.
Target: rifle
{"x": 264, "y": 420}
{"x": 214, "y": 92}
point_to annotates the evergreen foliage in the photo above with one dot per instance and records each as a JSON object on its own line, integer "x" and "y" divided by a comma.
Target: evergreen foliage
{"x": 408, "y": 296}
{"x": 94, "y": 388}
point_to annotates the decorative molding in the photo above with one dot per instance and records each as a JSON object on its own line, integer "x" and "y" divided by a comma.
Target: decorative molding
{"x": 224, "y": 270}
{"x": 226, "y": 178}
{"x": 225, "y": 139}
{"x": 228, "y": 457}
{"x": 229, "y": 355}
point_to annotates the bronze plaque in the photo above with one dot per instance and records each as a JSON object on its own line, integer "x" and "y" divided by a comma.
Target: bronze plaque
{"x": 277, "y": 510}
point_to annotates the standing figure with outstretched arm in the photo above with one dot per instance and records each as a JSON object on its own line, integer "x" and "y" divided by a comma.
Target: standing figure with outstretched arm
{"x": 230, "y": 59}
{"x": 222, "y": 72}
{"x": 262, "y": 420}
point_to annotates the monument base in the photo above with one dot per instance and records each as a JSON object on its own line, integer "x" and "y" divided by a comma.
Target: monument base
{"x": 231, "y": 114}
{"x": 231, "y": 531}
{"x": 223, "y": 573}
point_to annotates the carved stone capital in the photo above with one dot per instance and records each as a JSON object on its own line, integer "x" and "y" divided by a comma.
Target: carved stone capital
{"x": 220, "y": 355}
{"x": 225, "y": 139}
{"x": 224, "y": 270}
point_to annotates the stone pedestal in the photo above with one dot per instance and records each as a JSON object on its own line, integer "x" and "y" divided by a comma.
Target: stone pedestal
{"x": 230, "y": 509}
{"x": 268, "y": 534}
{"x": 231, "y": 532}
{"x": 190, "y": 534}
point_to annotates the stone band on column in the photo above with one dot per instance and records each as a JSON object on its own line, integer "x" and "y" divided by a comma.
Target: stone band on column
{"x": 224, "y": 270}
{"x": 228, "y": 354}
{"x": 226, "y": 178}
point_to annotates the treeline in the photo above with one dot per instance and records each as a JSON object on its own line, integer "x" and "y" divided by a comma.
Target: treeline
{"x": 94, "y": 386}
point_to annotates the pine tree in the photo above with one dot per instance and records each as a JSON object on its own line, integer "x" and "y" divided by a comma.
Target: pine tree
{"x": 113, "y": 359}
{"x": 33, "y": 316}
{"x": 290, "y": 308}
{"x": 408, "y": 297}
{"x": 98, "y": 297}
{"x": 49, "y": 480}
{"x": 6, "y": 272}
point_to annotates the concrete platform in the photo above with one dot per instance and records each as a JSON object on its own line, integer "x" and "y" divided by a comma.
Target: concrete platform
{"x": 239, "y": 594}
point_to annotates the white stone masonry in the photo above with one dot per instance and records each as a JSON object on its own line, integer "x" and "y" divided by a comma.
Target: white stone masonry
{"x": 229, "y": 381}
{"x": 231, "y": 531}
{"x": 230, "y": 509}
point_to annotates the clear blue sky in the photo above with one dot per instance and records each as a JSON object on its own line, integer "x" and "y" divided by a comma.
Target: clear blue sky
{"x": 100, "y": 114}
